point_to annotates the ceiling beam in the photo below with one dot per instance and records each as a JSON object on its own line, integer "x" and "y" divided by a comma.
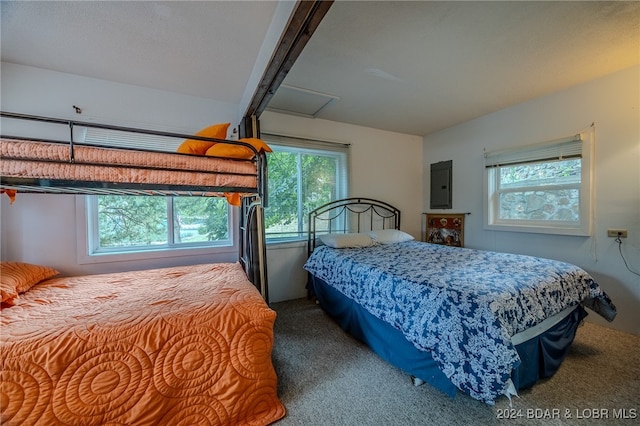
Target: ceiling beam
{"x": 303, "y": 22}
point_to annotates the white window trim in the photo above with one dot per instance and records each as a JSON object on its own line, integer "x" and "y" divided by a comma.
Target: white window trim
{"x": 584, "y": 228}
{"x": 321, "y": 147}
{"x": 85, "y": 255}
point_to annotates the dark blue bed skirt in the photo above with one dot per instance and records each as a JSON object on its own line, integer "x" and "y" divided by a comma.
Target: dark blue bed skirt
{"x": 540, "y": 356}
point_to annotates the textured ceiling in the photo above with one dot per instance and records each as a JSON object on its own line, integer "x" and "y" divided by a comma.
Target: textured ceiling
{"x": 411, "y": 67}
{"x": 199, "y": 48}
{"x": 417, "y": 67}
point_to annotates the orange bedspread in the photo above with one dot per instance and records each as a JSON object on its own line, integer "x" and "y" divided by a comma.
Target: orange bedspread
{"x": 184, "y": 345}
{"x": 96, "y": 164}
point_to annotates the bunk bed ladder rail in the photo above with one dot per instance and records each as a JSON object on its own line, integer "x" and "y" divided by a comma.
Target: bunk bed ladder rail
{"x": 252, "y": 244}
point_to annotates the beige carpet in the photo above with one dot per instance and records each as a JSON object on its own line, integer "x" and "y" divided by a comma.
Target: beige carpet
{"x": 328, "y": 378}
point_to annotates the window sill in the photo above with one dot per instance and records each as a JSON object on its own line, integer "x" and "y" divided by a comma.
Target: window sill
{"x": 581, "y": 232}
{"x": 279, "y": 245}
{"x": 154, "y": 254}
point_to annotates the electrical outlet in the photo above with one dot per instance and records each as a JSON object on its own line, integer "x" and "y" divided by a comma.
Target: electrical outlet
{"x": 613, "y": 233}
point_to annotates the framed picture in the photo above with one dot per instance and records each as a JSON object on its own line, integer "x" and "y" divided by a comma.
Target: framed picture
{"x": 447, "y": 229}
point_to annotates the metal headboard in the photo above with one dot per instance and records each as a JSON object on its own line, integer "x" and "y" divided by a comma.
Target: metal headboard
{"x": 351, "y": 215}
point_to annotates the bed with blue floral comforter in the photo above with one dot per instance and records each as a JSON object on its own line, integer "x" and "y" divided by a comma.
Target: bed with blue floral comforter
{"x": 461, "y": 305}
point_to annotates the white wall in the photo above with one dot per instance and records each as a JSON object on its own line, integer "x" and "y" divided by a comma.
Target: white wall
{"x": 42, "y": 228}
{"x": 37, "y": 91}
{"x": 613, "y": 104}
{"x": 384, "y": 165}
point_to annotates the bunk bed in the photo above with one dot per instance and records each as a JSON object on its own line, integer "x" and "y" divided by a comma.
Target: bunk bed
{"x": 483, "y": 322}
{"x": 172, "y": 345}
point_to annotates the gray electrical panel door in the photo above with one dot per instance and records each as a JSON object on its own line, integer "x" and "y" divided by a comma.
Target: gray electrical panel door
{"x": 441, "y": 185}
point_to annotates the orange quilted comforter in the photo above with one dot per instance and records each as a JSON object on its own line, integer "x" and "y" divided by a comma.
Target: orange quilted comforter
{"x": 97, "y": 164}
{"x": 184, "y": 345}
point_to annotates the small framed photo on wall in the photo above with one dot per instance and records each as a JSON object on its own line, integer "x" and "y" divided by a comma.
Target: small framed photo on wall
{"x": 447, "y": 229}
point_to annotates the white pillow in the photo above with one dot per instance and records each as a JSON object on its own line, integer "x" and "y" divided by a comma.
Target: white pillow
{"x": 389, "y": 236}
{"x": 351, "y": 240}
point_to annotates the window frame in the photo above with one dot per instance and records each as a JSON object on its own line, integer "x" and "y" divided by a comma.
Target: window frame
{"x": 88, "y": 220}
{"x": 310, "y": 146}
{"x": 87, "y": 235}
{"x": 536, "y": 154}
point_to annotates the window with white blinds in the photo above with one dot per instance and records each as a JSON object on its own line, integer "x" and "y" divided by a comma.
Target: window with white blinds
{"x": 542, "y": 188}
{"x": 126, "y": 227}
{"x": 554, "y": 150}
{"x": 303, "y": 174}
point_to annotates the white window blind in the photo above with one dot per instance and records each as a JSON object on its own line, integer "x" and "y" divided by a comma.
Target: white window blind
{"x": 558, "y": 149}
{"x": 305, "y": 143}
{"x": 115, "y": 138}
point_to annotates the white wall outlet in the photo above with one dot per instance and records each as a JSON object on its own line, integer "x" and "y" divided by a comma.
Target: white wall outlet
{"x": 622, "y": 233}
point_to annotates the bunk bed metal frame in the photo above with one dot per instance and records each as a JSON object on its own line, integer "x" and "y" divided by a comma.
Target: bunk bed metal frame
{"x": 132, "y": 188}
{"x": 252, "y": 247}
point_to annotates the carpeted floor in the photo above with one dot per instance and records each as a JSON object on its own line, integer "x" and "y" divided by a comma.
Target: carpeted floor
{"x": 328, "y": 378}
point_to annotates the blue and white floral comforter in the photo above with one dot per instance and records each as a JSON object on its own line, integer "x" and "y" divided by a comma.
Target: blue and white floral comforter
{"x": 461, "y": 304}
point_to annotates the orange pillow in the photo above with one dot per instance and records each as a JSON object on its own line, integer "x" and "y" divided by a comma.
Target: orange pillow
{"x": 193, "y": 146}
{"x": 237, "y": 151}
{"x": 233, "y": 198}
{"x": 7, "y": 293}
{"x": 18, "y": 277}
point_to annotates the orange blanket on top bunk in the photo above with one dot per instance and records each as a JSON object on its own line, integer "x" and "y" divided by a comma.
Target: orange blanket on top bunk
{"x": 182, "y": 345}
{"x": 98, "y": 164}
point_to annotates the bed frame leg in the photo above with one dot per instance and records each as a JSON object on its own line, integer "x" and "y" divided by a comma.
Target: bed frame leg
{"x": 416, "y": 381}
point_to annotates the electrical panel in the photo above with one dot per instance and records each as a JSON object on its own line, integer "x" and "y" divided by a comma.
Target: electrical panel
{"x": 441, "y": 185}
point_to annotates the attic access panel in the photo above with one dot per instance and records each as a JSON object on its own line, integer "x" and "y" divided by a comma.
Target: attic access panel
{"x": 441, "y": 174}
{"x": 299, "y": 101}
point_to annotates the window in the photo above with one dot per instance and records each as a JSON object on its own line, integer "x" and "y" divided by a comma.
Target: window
{"x": 303, "y": 174}
{"x": 542, "y": 188}
{"x": 120, "y": 224}
{"x": 127, "y": 227}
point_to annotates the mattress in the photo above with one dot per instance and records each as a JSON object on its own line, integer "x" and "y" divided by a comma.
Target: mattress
{"x": 463, "y": 305}
{"x": 541, "y": 354}
{"x": 182, "y": 345}
{"x": 47, "y": 160}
